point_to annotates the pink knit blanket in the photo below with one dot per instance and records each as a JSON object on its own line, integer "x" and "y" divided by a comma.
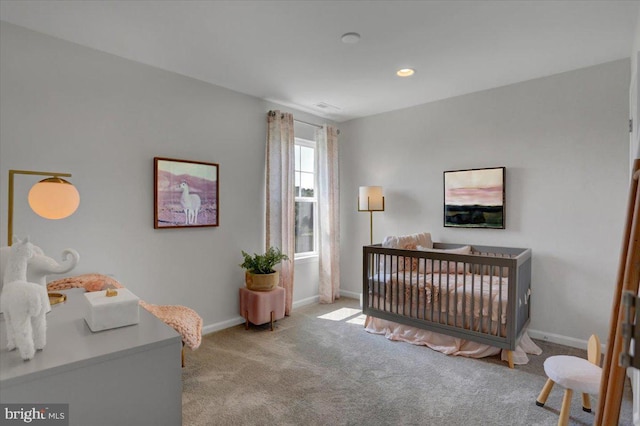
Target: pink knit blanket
{"x": 184, "y": 320}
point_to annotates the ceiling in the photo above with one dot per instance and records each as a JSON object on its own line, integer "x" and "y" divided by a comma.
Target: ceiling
{"x": 290, "y": 52}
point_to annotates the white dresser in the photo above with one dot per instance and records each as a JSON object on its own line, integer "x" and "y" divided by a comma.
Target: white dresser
{"x": 124, "y": 376}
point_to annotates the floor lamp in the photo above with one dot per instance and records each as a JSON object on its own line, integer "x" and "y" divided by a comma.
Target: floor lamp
{"x": 51, "y": 198}
{"x": 370, "y": 199}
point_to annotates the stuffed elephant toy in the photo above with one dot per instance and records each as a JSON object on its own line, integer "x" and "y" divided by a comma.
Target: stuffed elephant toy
{"x": 41, "y": 265}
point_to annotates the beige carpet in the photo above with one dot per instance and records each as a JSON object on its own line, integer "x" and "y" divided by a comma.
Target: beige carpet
{"x": 314, "y": 370}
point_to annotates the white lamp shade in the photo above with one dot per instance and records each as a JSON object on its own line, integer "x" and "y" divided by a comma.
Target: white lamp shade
{"x": 54, "y": 198}
{"x": 370, "y": 198}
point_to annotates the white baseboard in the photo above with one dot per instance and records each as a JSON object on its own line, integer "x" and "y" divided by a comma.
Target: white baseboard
{"x": 212, "y": 328}
{"x": 350, "y": 294}
{"x": 534, "y": 334}
{"x": 557, "y": 338}
{"x": 307, "y": 301}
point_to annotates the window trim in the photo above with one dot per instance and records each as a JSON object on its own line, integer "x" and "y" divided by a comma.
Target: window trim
{"x": 314, "y": 200}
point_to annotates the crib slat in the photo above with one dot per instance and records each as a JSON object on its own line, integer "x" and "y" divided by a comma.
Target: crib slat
{"x": 490, "y": 301}
{"x": 500, "y": 303}
{"x": 464, "y": 298}
{"x": 473, "y": 299}
{"x": 481, "y": 300}
{"x": 455, "y": 297}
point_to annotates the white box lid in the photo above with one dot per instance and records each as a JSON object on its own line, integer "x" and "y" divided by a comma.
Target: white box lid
{"x": 99, "y": 298}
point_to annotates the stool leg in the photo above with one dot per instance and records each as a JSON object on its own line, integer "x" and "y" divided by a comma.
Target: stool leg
{"x": 566, "y": 408}
{"x": 182, "y": 354}
{"x": 271, "y": 320}
{"x": 246, "y": 317}
{"x": 544, "y": 394}
{"x": 586, "y": 403}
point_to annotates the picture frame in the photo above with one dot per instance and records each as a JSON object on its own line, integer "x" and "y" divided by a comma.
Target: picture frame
{"x": 185, "y": 193}
{"x": 475, "y": 198}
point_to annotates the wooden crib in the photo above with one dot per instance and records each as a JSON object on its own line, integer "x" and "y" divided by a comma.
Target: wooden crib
{"x": 483, "y": 296}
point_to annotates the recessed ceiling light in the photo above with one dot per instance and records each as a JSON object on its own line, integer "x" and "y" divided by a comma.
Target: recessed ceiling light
{"x": 405, "y": 72}
{"x": 350, "y": 38}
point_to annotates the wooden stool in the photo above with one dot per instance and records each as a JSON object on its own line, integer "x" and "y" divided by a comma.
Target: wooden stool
{"x": 261, "y": 307}
{"x": 573, "y": 373}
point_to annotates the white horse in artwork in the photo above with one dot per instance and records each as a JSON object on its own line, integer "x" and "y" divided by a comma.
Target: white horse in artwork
{"x": 24, "y": 303}
{"x": 190, "y": 204}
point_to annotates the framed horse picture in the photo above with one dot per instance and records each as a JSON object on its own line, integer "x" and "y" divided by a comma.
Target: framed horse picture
{"x": 185, "y": 193}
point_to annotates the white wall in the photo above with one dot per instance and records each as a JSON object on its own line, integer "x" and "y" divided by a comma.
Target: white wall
{"x": 634, "y": 97}
{"x": 634, "y": 152}
{"x": 564, "y": 142}
{"x": 66, "y": 108}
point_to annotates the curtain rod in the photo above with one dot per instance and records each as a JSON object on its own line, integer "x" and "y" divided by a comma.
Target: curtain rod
{"x": 312, "y": 124}
{"x": 305, "y": 122}
{"x": 308, "y": 124}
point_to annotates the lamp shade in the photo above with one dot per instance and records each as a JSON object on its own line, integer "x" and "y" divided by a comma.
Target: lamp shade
{"x": 370, "y": 198}
{"x": 54, "y": 198}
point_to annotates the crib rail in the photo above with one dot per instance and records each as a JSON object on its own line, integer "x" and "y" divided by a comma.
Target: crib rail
{"x": 483, "y": 296}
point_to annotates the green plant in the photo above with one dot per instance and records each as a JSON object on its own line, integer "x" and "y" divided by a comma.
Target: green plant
{"x": 263, "y": 263}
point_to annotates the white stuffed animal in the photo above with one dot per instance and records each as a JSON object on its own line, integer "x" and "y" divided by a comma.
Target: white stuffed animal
{"x": 24, "y": 303}
{"x": 40, "y": 265}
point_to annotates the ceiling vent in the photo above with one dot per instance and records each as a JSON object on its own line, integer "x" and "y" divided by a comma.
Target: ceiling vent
{"x": 326, "y": 106}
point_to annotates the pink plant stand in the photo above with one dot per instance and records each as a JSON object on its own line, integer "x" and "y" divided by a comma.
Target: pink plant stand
{"x": 261, "y": 307}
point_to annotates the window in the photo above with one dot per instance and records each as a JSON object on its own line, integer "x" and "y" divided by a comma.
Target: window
{"x": 306, "y": 203}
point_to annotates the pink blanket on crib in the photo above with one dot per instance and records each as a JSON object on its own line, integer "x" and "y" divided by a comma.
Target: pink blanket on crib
{"x": 447, "y": 344}
{"x": 471, "y": 295}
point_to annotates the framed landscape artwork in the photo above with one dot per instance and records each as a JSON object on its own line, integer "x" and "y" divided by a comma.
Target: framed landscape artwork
{"x": 185, "y": 193}
{"x": 474, "y": 198}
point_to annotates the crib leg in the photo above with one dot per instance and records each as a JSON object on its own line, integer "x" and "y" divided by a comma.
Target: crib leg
{"x": 367, "y": 320}
{"x": 510, "y": 358}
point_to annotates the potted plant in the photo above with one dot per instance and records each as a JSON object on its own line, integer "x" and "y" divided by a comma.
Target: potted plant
{"x": 260, "y": 275}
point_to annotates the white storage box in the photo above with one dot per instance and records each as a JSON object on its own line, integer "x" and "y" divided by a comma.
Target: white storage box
{"x": 102, "y": 312}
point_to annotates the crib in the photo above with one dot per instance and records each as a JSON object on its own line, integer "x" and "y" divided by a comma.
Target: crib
{"x": 481, "y": 296}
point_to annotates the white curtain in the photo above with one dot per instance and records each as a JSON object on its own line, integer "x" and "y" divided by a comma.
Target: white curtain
{"x": 329, "y": 213}
{"x": 280, "y": 205}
